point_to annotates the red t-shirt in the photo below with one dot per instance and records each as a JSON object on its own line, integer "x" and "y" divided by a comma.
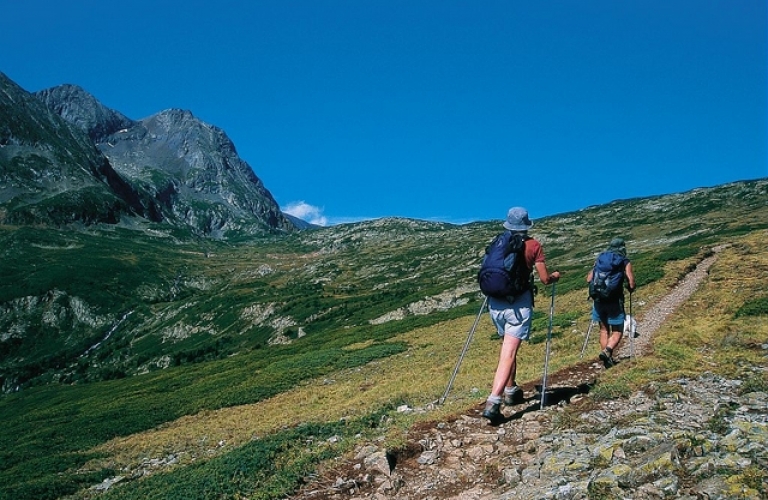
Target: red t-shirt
{"x": 533, "y": 253}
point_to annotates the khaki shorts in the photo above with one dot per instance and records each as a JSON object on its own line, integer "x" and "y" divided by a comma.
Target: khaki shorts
{"x": 512, "y": 318}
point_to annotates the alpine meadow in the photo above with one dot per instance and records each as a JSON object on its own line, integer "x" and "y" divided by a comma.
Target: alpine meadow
{"x": 167, "y": 333}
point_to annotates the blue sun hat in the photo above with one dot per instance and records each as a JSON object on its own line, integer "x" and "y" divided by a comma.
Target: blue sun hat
{"x": 517, "y": 219}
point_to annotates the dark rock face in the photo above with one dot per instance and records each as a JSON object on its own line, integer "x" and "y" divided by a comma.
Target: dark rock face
{"x": 51, "y": 172}
{"x": 81, "y": 109}
{"x": 169, "y": 167}
{"x": 193, "y": 170}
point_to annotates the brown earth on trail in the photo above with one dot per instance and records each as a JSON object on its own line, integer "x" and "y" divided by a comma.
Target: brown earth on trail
{"x": 412, "y": 473}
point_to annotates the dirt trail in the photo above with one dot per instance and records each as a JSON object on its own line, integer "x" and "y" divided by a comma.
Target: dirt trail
{"x": 411, "y": 478}
{"x": 578, "y": 376}
{"x": 658, "y": 313}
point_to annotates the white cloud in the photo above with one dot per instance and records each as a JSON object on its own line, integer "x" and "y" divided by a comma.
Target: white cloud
{"x": 307, "y": 212}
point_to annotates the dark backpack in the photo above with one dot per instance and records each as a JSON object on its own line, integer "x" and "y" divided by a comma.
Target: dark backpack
{"x": 607, "y": 276}
{"x": 503, "y": 272}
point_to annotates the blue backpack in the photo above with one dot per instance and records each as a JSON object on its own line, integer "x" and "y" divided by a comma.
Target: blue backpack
{"x": 607, "y": 276}
{"x": 503, "y": 272}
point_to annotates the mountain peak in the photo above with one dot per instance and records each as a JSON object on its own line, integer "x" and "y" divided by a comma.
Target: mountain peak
{"x": 170, "y": 167}
{"x": 83, "y": 110}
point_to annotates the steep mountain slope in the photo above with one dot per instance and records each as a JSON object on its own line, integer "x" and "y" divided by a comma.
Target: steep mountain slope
{"x": 66, "y": 158}
{"x": 190, "y": 168}
{"x": 51, "y": 172}
{"x": 82, "y": 110}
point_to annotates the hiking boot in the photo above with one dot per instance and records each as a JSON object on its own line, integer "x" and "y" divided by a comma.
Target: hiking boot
{"x": 607, "y": 360}
{"x": 492, "y": 412}
{"x": 515, "y": 397}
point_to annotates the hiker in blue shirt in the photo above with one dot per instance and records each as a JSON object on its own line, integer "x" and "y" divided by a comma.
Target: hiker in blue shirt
{"x": 608, "y": 307}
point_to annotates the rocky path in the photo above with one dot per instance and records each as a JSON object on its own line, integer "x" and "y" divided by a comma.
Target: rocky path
{"x": 670, "y": 453}
{"x": 657, "y": 314}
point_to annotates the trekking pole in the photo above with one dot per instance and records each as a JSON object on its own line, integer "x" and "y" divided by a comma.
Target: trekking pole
{"x": 546, "y": 355}
{"x": 631, "y": 330}
{"x": 463, "y": 353}
{"x": 586, "y": 340}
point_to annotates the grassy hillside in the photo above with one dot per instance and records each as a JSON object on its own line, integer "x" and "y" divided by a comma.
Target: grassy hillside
{"x": 223, "y": 370}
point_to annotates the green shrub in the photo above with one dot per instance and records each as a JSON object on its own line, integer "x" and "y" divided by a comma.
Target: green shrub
{"x": 268, "y": 468}
{"x": 757, "y": 306}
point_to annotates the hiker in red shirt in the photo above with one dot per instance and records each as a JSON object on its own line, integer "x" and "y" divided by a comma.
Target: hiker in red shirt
{"x": 512, "y": 317}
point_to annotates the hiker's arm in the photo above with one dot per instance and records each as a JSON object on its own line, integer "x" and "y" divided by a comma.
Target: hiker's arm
{"x": 630, "y": 277}
{"x": 544, "y": 275}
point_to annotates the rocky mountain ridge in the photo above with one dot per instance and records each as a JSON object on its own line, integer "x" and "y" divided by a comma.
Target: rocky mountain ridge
{"x": 51, "y": 172}
{"x": 168, "y": 168}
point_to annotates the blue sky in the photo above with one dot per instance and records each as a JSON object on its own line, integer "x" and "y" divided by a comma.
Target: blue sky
{"x": 437, "y": 110}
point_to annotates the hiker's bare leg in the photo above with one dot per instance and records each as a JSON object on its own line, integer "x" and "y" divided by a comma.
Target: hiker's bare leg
{"x": 615, "y": 338}
{"x": 505, "y": 372}
{"x": 513, "y": 368}
{"x": 603, "y": 336}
